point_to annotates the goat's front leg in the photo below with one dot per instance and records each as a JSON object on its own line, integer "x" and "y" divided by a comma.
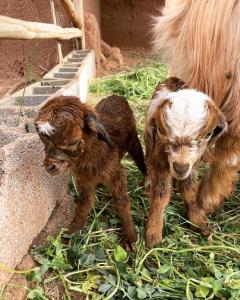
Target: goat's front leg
{"x": 85, "y": 203}
{"x": 159, "y": 192}
{"x": 188, "y": 188}
{"x": 122, "y": 204}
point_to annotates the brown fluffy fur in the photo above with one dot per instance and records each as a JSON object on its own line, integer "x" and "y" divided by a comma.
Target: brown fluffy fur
{"x": 91, "y": 143}
{"x": 201, "y": 41}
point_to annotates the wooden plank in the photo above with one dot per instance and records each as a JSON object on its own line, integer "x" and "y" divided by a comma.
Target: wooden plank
{"x": 59, "y": 47}
{"x": 79, "y": 8}
{"x": 73, "y": 15}
{"x": 11, "y": 28}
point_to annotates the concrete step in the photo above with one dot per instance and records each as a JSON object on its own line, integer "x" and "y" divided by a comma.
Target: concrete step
{"x": 71, "y": 65}
{"x": 54, "y": 83}
{"x": 30, "y": 100}
{"x": 77, "y": 60}
{"x": 78, "y": 56}
{"x": 68, "y": 70}
{"x": 43, "y": 90}
{"x": 64, "y": 75}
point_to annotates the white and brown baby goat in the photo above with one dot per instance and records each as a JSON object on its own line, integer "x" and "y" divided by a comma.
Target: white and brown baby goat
{"x": 181, "y": 125}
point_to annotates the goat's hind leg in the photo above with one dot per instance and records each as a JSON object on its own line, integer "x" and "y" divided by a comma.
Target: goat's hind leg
{"x": 122, "y": 204}
{"x": 136, "y": 152}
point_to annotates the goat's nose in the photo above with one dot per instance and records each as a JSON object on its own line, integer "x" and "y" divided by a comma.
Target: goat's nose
{"x": 51, "y": 168}
{"x": 180, "y": 169}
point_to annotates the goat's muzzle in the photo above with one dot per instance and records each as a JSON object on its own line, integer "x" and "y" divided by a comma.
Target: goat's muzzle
{"x": 55, "y": 166}
{"x": 180, "y": 169}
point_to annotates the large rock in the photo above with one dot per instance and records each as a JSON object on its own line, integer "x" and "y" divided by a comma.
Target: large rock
{"x": 28, "y": 194}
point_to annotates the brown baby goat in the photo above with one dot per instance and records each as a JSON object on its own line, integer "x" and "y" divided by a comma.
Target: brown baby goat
{"x": 91, "y": 143}
{"x": 182, "y": 124}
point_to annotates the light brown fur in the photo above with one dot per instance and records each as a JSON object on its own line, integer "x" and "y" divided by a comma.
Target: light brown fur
{"x": 200, "y": 40}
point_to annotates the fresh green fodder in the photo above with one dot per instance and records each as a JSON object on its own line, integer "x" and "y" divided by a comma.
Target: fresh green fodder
{"x": 184, "y": 266}
{"x": 135, "y": 85}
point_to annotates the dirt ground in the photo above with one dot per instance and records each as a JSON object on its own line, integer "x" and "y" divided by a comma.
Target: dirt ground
{"x": 131, "y": 57}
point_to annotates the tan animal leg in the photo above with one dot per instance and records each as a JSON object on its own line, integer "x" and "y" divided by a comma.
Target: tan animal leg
{"x": 84, "y": 205}
{"x": 219, "y": 181}
{"x": 188, "y": 188}
{"x": 216, "y": 185}
{"x": 159, "y": 192}
{"x": 122, "y": 204}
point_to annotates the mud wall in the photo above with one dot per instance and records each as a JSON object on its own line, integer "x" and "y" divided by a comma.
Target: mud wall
{"x": 20, "y": 61}
{"x": 127, "y": 23}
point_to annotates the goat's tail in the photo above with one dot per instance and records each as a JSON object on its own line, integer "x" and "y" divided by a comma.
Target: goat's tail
{"x": 201, "y": 41}
{"x": 136, "y": 152}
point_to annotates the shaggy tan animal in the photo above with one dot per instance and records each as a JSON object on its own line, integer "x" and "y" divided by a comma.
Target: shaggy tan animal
{"x": 201, "y": 41}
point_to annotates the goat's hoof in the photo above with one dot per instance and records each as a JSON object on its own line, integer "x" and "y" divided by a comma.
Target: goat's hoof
{"x": 203, "y": 229}
{"x": 206, "y": 231}
{"x": 152, "y": 239}
{"x": 65, "y": 240}
{"x": 74, "y": 228}
{"x": 129, "y": 246}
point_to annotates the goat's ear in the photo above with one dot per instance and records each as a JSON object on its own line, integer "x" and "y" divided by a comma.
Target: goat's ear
{"x": 92, "y": 124}
{"x": 150, "y": 136}
{"x": 221, "y": 127}
{"x": 156, "y": 124}
{"x": 216, "y": 125}
{"x": 175, "y": 84}
{"x": 161, "y": 124}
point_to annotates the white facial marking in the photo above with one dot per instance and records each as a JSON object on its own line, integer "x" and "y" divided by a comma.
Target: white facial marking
{"x": 186, "y": 115}
{"x": 233, "y": 161}
{"x": 45, "y": 128}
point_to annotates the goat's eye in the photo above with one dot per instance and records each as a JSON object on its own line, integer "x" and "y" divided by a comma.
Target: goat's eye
{"x": 160, "y": 131}
{"x": 174, "y": 147}
{"x": 207, "y": 136}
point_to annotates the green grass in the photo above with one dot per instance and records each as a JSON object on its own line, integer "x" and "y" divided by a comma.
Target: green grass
{"x": 136, "y": 85}
{"x": 184, "y": 266}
